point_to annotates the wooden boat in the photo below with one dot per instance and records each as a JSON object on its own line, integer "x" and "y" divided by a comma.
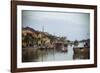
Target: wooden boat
{"x": 64, "y": 49}
{"x": 81, "y": 53}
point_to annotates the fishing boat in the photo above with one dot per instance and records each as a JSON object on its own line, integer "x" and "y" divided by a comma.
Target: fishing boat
{"x": 64, "y": 48}
{"x": 81, "y": 51}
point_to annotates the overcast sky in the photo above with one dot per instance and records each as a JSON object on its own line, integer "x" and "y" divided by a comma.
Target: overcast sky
{"x": 74, "y": 26}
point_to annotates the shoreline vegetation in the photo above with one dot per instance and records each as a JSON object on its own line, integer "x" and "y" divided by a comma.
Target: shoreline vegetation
{"x": 36, "y": 44}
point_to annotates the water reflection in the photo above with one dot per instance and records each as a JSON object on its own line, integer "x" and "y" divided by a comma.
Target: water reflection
{"x": 38, "y": 55}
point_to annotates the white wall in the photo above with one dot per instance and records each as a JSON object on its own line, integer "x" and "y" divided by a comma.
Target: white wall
{"x": 5, "y": 37}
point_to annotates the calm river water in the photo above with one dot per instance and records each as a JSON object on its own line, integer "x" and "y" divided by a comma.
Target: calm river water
{"x": 49, "y": 55}
{"x": 57, "y": 56}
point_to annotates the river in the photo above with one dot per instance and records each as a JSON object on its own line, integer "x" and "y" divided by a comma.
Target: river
{"x": 49, "y": 55}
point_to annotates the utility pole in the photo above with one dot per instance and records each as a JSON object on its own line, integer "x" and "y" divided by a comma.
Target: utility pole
{"x": 42, "y": 28}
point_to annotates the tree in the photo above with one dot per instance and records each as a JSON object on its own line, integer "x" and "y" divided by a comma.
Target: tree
{"x": 63, "y": 39}
{"x": 76, "y": 43}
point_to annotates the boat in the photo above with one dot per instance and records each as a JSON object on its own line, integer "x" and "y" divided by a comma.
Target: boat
{"x": 64, "y": 49}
